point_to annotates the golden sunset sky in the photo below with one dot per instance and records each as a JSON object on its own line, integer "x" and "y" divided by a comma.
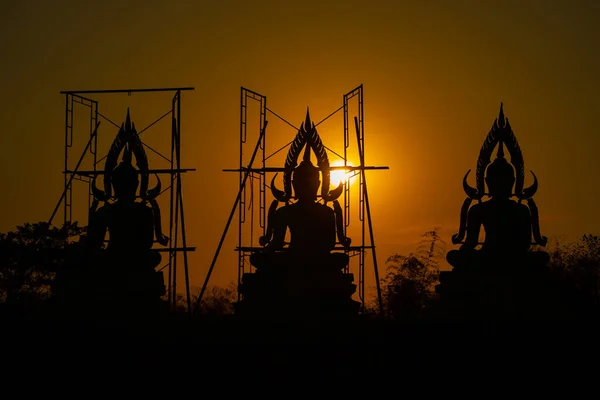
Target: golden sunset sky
{"x": 434, "y": 74}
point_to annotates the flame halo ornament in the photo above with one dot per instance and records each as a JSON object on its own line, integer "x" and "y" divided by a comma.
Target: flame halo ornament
{"x": 307, "y": 136}
{"x": 501, "y": 134}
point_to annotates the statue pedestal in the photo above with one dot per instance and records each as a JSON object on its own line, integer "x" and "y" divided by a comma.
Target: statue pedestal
{"x": 297, "y": 291}
{"x": 107, "y": 288}
{"x": 497, "y": 291}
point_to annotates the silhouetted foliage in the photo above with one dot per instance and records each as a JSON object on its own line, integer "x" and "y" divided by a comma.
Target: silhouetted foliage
{"x": 408, "y": 287}
{"x": 30, "y": 258}
{"x": 216, "y": 301}
{"x": 371, "y": 307}
{"x": 577, "y": 265}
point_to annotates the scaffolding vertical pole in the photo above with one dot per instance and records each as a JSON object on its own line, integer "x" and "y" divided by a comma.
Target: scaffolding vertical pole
{"x": 93, "y": 147}
{"x": 171, "y": 299}
{"x": 363, "y": 202}
{"x": 68, "y": 143}
{"x": 247, "y": 196}
{"x": 180, "y": 197}
{"x": 346, "y": 186}
{"x": 263, "y": 176}
{"x": 177, "y": 210}
{"x": 70, "y": 175}
{"x": 370, "y": 221}
{"x": 242, "y": 203}
{"x": 347, "y": 195}
{"x": 360, "y": 138}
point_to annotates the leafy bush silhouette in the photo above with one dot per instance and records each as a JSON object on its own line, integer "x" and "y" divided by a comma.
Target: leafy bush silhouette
{"x": 30, "y": 258}
{"x": 576, "y": 266}
{"x": 217, "y": 301}
{"x": 409, "y": 283}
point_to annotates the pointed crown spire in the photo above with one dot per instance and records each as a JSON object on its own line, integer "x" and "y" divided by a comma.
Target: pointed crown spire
{"x": 307, "y": 122}
{"x": 128, "y": 124}
{"x": 308, "y": 125}
{"x": 501, "y": 118}
{"x": 125, "y": 169}
{"x": 501, "y": 122}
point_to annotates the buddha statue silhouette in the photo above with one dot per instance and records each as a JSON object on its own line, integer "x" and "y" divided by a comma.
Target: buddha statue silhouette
{"x": 506, "y": 277}
{"x": 313, "y": 226}
{"x": 508, "y": 224}
{"x": 132, "y": 221}
{"x": 307, "y": 264}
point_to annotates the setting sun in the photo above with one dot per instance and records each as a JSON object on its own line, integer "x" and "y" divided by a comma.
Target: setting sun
{"x": 339, "y": 175}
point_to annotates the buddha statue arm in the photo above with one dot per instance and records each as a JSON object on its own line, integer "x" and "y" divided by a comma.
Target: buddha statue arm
{"x": 148, "y": 230}
{"x": 96, "y": 230}
{"x": 266, "y": 239}
{"x": 474, "y": 222}
{"x": 535, "y": 224}
{"x": 279, "y": 230}
{"x": 524, "y": 234}
{"x": 331, "y": 234}
{"x": 339, "y": 224}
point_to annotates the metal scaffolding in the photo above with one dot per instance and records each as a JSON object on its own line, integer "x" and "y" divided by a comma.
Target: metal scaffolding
{"x": 249, "y": 221}
{"x": 175, "y": 197}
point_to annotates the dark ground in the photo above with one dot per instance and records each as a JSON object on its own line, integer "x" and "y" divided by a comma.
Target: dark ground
{"x": 221, "y": 346}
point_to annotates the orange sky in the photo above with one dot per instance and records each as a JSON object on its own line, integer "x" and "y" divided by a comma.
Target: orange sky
{"x": 434, "y": 74}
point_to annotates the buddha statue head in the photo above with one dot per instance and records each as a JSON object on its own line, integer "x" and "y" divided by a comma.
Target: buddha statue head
{"x": 125, "y": 180}
{"x": 305, "y": 179}
{"x": 500, "y": 176}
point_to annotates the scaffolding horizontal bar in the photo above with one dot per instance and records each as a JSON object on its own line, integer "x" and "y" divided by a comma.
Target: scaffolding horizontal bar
{"x": 165, "y": 249}
{"x": 282, "y": 169}
{"x": 150, "y": 171}
{"x": 127, "y": 90}
{"x": 252, "y": 92}
{"x": 251, "y": 249}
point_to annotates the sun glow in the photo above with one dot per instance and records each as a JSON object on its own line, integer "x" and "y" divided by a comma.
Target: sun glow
{"x": 339, "y": 175}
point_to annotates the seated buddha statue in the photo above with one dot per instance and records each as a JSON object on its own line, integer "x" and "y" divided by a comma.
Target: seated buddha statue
{"x": 508, "y": 223}
{"x": 313, "y": 226}
{"x": 307, "y": 264}
{"x": 126, "y": 266}
{"x": 506, "y": 277}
